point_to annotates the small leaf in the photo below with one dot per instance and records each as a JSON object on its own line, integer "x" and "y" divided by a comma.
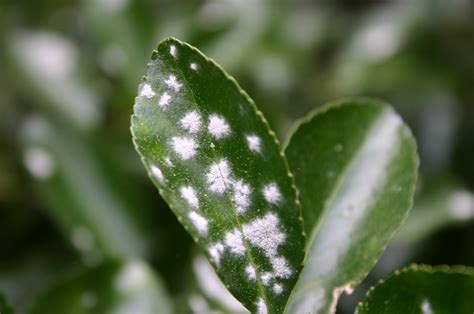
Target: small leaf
{"x": 422, "y": 289}
{"x": 355, "y": 166}
{"x": 220, "y": 168}
{"x": 129, "y": 287}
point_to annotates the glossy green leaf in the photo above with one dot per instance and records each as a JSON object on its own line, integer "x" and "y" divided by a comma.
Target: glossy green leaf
{"x": 355, "y": 166}
{"x": 424, "y": 290}
{"x": 220, "y": 168}
{"x": 114, "y": 287}
{"x": 4, "y": 307}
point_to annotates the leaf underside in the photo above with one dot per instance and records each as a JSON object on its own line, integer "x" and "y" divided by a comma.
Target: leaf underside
{"x": 220, "y": 169}
{"x": 422, "y": 289}
{"x": 355, "y": 167}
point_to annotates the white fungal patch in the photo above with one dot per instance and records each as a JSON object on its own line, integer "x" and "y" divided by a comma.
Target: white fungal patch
{"x": 218, "y": 177}
{"x": 164, "y": 101}
{"x": 215, "y": 251}
{"x": 266, "y": 278}
{"x": 173, "y": 50}
{"x": 233, "y": 240}
{"x": 278, "y": 288}
{"x": 272, "y": 193}
{"x": 147, "y": 91}
{"x": 156, "y": 172}
{"x": 426, "y": 307}
{"x": 261, "y": 307}
{"x": 185, "y": 147}
{"x": 254, "y": 143}
{"x": 280, "y": 267}
{"x": 193, "y": 66}
{"x": 168, "y": 161}
{"x": 189, "y": 195}
{"x": 173, "y": 83}
{"x": 241, "y": 196}
{"x": 191, "y": 122}
{"x": 250, "y": 271}
{"x": 265, "y": 233}
{"x": 201, "y": 223}
{"x": 218, "y": 126}
{"x": 39, "y": 162}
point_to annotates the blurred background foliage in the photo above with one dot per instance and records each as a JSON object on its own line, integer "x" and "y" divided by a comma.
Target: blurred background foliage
{"x": 82, "y": 230}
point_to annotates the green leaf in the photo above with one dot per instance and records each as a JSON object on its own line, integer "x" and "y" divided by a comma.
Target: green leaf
{"x": 221, "y": 170}
{"x": 114, "y": 287}
{"x": 422, "y": 289}
{"x": 355, "y": 166}
{"x": 4, "y": 307}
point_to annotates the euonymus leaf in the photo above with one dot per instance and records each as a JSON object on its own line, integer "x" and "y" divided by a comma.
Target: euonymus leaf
{"x": 422, "y": 289}
{"x": 124, "y": 288}
{"x": 355, "y": 166}
{"x": 4, "y": 307}
{"x": 220, "y": 168}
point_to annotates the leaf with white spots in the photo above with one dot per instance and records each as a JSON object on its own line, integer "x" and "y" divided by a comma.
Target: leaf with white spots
{"x": 113, "y": 287}
{"x": 422, "y": 289}
{"x": 223, "y": 174}
{"x": 355, "y": 166}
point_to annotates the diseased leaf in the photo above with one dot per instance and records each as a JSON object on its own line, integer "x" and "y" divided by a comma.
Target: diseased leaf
{"x": 220, "y": 168}
{"x": 355, "y": 166}
{"x": 129, "y": 287}
{"x": 422, "y": 289}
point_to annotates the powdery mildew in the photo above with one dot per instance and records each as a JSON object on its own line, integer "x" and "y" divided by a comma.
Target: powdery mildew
{"x": 241, "y": 196}
{"x": 193, "y": 66}
{"x": 173, "y": 50}
{"x": 261, "y": 307}
{"x": 272, "y": 193}
{"x": 199, "y": 222}
{"x": 191, "y": 122}
{"x": 250, "y": 271}
{"x": 266, "y": 278}
{"x": 218, "y": 126}
{"x": 147, "y": 91}
{"x": 168, "y": 161}
{"x": 254, "y": 143}
{"x": 218, "y": 176}
{"x": 189, "y": 195}
{"x": 164, "y": 101}
{"x": 233, "y": 240}
{"x": 157, "y": 174}
{"x": 215, "y": 251}
{"x": 185, "y": 147}
{"x": 280, "y": 267}
{"x": 173, "y": 83}
{"x": 265, "y": 234}
{"x": 277, "y": 288}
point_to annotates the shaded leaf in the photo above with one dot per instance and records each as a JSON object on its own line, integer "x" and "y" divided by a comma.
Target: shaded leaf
{"x": 355, "y": 166}
{"x": 220, "y": 168}
{"x": 129, "y": 287}
{"x": 422, "y": 289}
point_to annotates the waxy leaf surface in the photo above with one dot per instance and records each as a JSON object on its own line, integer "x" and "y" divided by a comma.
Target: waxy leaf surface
{"x": 420, "y": 289}
{"x": 355, "y": 166}
{"x": 221, "y": 170}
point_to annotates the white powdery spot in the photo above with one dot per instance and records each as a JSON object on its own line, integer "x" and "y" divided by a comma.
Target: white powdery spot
{"x": 39, "y": 163}
{"x": 426, "y": 307}
{"x": 266, "y": 278}
{"x": 278, "y": 288}
{"x": 199, "y": 222}
{"x": 173, "y": 83}
{"x": 193, "y": 66}
{"x": 157, "y": 173}
{"x": 241, "y": 196}
{"x": 265, "y": 233}
{"x": 215, "y": 251}
{"x": 233, "y": 240}
{"x": 254, "y": 143}
{"x": 461, "y": 205}
{"x": 168, "y": 162}
{"x": 218, "y": 127}
{"x": 164, "y": 101}
{"x": 191, "y": 122}
{"x": 250, "y": 271}
{"x": 147, "y": 91}
{"x": 189, "y": 195}
{"x": 218, "y": 176}
{"x": 272, "y": 193}
{"x": 185, "y": 147}
{"x": 280, "y": 267}
{"x": 173, "y": 50}
{"x": 261, "y": 307}
{"x": 134, "y": 275}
